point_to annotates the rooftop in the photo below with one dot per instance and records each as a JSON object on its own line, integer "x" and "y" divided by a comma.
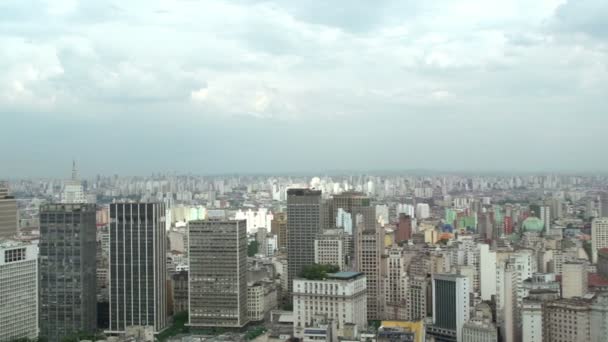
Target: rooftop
{"x": 344, "y": 275}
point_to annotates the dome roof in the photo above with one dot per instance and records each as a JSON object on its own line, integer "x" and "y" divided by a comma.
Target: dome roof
{"x": 533, "y": 224}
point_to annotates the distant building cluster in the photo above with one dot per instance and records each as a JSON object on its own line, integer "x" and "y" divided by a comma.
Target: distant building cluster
{"x": 393, "y": 258}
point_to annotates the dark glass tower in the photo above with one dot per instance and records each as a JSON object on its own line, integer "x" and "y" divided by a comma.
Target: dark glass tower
{"x": 304, "y": 221}
{"x": 68, "y": 302}
{"x": 138, "y": 269}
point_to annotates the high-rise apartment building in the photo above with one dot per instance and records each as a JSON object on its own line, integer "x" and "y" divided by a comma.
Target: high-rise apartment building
{"x": 417, "y": 297}
{"x": 599, "y": 236}
{"x": 18, "y": 291}
{"x": 304, "y": 219}
{"x": 480, "y": 328}
{"x": 279, "y": 228}
{"x": 330, "y": 248}
{"x": 138, "y": 269}
{"x": 218, "y": 273}
{"x": 404, "y": 228}
{"x": 545, "y": 216}
{"x": 341, "y": 297}
{"x": 370, "y": 247}
{"x": 8, "y": 213}
{"x": 450, "y": 306}
{"x": 574, "y": 279}
{"x": 68, "y": 276}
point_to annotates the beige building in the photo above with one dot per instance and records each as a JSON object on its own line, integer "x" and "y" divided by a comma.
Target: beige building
{"x": 599, "y": 236}
{"x": 329, "y": 248}
{"x": 567, "y": 320}
{"x": 8, "y": 214}
{"x": 342, "y": 297}
{"x": 574, "y": 279}
{"x": 370, "y": 247}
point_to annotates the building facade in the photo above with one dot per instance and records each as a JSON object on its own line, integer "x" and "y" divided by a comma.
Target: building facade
{"x": 68, "y": 277}
{"x": 218, "y": 273}
{"x": 342, "y": 298}
{"x": 450, "y": 306}
{"x": 304, "y": 220}
{"x": 8, "y": 214}
{"x": 18, "y": 291}
{"x": 370, "y": 247}
{"x": 138, "y": 268}
{"x": 599, "y": 236}
{"x": 329, "y": 248}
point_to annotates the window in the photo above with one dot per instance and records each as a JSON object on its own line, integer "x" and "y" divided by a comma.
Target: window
{"x": 14, "y": 255}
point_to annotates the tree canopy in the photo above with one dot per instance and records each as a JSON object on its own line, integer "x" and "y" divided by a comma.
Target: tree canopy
{"x": 318, "y": 271}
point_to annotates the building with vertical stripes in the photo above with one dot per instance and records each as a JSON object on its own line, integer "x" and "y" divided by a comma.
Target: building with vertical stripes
{"x": 68, "y": 270}
{"x": 138, "y": 270}
{"x": 8, "y": 213}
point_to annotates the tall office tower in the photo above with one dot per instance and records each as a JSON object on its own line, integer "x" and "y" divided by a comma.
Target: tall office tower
{"x": 68, "y": 270}
{"x": 72, "y": 189}
{"x": 417, "y": 297}
{"x": 278, "y": 226}
{"x": 557, "y": 208}
{"x": 567, "y": 320}
{"x": 341, "y": 297}
{"x": 599, "y": 236}
{"x": 450, "y": 306}
{"x": 404, "y": 228}
{"x": 355, "y": 203}
{"x": 218, "y": 273}
{"x": 262, "y": 239}
{"x": 574, "y": 279}
{"x": 395, "y": 286}
{"x": 329, "y": 248}
{"x": 8, "y": 213}
{"x": 18, "y": 291}
{"x": 487, "y": 271}
{"x": 370, "y": 247}
{"x": 303, "y": 225}
{"x": 138, "y": 268}
{"x": 545, "y": 216}
{"x": 603, "y": 207}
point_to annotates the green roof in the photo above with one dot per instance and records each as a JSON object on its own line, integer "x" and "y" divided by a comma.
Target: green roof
{"x": 533, "y": 224}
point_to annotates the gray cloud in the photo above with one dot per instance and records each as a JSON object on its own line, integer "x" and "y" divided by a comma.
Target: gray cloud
{"x": 249, "y": 78}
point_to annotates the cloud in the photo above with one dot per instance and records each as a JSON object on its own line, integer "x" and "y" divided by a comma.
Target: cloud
{"x": 381, "y": 64}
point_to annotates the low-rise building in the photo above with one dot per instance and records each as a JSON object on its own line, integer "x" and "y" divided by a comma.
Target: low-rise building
{"x": 341, "y": 296}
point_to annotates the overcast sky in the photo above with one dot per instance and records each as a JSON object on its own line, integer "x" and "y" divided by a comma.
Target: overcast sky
{"x": 135, "y": 87}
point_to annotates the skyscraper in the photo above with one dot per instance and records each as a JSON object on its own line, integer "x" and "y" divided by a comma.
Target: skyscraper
{"x": 370, "y": 247}
{"x": 68, "y": 302}
{"x": 599, "y": 236}
{"x": 18, "y": 291}
{"x": 72, "y": 189}
{"x": 404, "y": 228}
{"x": 303, "y": 224}
{"x": 138, "y": 270}
{"x": 218, "y": 273}
{"x": 450, "y": 306}
{"x": 279, "y": 228}
{"x": 8, "y": 213}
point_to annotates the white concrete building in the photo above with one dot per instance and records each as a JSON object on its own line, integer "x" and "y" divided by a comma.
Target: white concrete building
{"x": 342, "y": 297}
{"x": 423, "y": 210}
{"x": 599, "y": 236}
{"x": 18, "y": 291}
{"x": 487, "y": 271}
{"x": 532, "y": 321}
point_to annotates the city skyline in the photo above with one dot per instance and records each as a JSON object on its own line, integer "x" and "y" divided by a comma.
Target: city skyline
{"x": 288, "y": 86}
